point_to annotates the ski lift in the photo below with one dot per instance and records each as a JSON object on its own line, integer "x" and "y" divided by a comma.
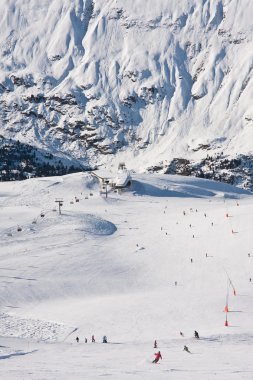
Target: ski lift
{"x": 42, "y": 214}
{"x": 122, "y": 166}
{"x": 19, "y": 229}
{"x": 91, "y": 194}
{"x": 60, "y": 203}
{"x": 34, "y": 221}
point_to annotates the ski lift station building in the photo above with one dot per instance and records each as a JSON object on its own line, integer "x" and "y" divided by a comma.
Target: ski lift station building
{"x": 120, "y": 180}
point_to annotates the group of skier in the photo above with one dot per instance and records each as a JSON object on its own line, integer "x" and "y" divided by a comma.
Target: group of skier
{"x": 104, "y": 340}
{"x": 158, "y": 354}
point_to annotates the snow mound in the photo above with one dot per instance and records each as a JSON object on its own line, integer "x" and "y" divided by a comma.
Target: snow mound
{"x": 67, "y": 229}
{"x": 32, "y": 328}
{"x": 97, "y": 226}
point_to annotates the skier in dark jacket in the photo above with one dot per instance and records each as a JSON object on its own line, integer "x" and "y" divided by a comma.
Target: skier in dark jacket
{"x": 196, "y": 334}
{"x": 157, "y": 357}
{"x": 186, "y": 349}
{"x": 104, "y": 339}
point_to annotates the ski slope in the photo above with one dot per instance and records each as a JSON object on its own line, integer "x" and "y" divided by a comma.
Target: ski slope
{"x": 121, "y": 266}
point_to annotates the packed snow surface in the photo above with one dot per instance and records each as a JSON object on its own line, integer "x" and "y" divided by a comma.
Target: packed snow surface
{"x": 164, "y": 257}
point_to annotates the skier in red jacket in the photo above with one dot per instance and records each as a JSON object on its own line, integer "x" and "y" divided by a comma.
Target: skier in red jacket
{"x": 157, "y": 357}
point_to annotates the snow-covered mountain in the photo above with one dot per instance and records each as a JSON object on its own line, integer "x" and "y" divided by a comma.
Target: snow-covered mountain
{"x": 137, "y": 80}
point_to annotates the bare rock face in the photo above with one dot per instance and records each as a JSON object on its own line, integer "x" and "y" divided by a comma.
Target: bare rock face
{"x": 94, "y": 81}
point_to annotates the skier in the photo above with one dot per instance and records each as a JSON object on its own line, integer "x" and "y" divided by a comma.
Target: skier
{"x": 182, "y": 334}
{"x": 104, "y": 339}
{"x": 157, "y": 357}
{"x": 77, "y": 339}
{"x": 191, "y": 260}
{"x": 186, "y": 349}
{"x": 93, "y": 339}
{"x": 85, "y": 340}
{"x": 155, "y": 344}
{"x": 196, "y": 334}
{"x": 175, "y": 283}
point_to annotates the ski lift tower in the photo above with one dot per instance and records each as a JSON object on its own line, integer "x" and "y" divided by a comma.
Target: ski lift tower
{"x": 60, "y": 203}
{"x": 106, "y": 187}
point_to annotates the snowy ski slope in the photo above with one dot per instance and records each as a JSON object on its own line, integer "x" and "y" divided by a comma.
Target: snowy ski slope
{"x": 108, "y": 266}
